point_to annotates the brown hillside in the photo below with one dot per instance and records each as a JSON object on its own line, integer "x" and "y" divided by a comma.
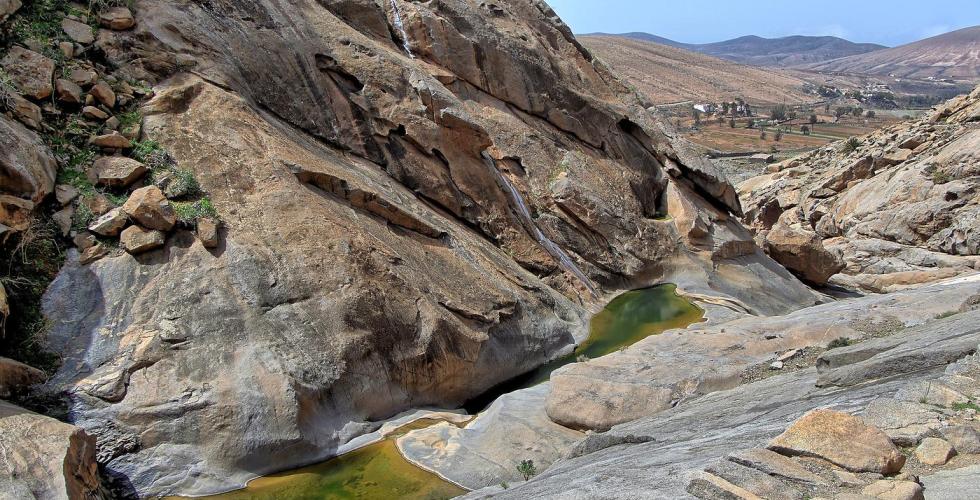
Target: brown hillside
{"x": 667, "y": 74}
{"x": 952, "y": 55}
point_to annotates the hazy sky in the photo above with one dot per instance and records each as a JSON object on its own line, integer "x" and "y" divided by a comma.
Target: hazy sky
{"x": 888, "y": 22}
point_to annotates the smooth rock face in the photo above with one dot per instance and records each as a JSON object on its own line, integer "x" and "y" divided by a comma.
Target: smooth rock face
{"x": 964, "y": 438}
{"x": 29, "y": 71}
{"x": 26, "y": 111}
{"x": 709, "y": 357}
{"x": 487, "y": 449}
{"x": 48, "y": 458}
{"x": 934, "y": 451}
{"x": 841, "y": 439}
{"x": 117, "y": 171}
{"x": 149, "y": 207}
{"x": 136, "y": 240}
{"x": 613, "y": 402}
{"x": 956, "y": 483}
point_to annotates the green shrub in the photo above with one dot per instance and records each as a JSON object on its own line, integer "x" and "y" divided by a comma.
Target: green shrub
{"x": 851, "y": 145}
{"x": 180, "y": 183}
{"x": 839, "y": 342}
{"x": 143, "y": 149}
{"x": 527, "y": 469}
{"x": 941, "y": 177}
{"x": 965, "y": 406}
{"x": 189, "y": 212}
{"x": 129, "y": 119}
{"x": 83, "y": 217}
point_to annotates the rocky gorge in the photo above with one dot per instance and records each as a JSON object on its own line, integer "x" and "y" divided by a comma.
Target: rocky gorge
{"x": 309, "y": 217}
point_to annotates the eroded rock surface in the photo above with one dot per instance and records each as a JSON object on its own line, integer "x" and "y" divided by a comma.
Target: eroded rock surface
{"x": 710, "y": 447}
{"x": 396, "y": 231}
{"x": 901, "y": 208}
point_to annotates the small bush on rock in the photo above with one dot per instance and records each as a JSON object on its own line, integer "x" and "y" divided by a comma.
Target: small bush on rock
{"x": 839, "y": 342}
{"x": 527, "y": 469}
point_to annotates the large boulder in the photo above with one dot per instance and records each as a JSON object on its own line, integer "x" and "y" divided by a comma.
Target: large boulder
{"x": 48, "y": 458}
{"x": 841, "y": 439}
{"x": 803, "y": 253}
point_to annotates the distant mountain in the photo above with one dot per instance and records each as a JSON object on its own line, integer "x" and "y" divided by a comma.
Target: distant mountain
{"x": 667, "y": 74}
{"x": 952, "y": 55}
{"x": 779, "y": 52}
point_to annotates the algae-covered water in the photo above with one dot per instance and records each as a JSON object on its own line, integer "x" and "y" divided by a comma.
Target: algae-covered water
{"x": 626, "y": 320}
{"x": 376, "y": 471}
{"x": 379, "y": 472}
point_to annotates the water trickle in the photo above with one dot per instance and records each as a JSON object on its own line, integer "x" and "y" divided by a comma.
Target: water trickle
{"x": 550, "y": 246}
{"x": 400, "y": 26}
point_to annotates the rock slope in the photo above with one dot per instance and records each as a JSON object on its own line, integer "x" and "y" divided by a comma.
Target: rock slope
{"x": 895, "y": 208}
{"x": 860, "y": 406}
{"x": 411, "y": 213}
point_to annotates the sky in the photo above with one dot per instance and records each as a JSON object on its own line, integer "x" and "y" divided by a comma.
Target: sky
{"x": 888, "y": 22}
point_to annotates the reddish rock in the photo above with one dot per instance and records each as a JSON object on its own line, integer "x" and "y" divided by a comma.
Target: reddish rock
{"x": 83, "y": 77}
{"x": 207, "y": 232}
{"x": 117, "y": 171}
{"x": 68, "y": 92}
{"x": 117, "y": 18}
{"x": 93, "y": 253}
{"x": 16, "y": 377}
{"x": 113, "y": 140}
{"x": 842, "y": 439}
{"x": 150, "y": 208}
{"x": 103, "y": 93}
{"x": 136, "y": 240}
{"x": 94, "y": 113}
{"x": 26, "y": 111}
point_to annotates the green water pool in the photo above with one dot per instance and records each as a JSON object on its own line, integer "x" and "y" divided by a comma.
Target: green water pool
{"x": 379, "y": 472}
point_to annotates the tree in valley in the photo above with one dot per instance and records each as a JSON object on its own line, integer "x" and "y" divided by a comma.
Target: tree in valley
{"x": 779, "y": 135}
{"x": 762, "y": 135}
{"x": 697, "y": 117}
{"x": 731, "y": 123}
{"x": 814, "y": 119}
{"x": 870, "y": 114}
{"x": 805, "y": 129}
{"x": 840, "y": 112}
{"x": 778, "y": 112}
{"x": 857, "y": 111}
